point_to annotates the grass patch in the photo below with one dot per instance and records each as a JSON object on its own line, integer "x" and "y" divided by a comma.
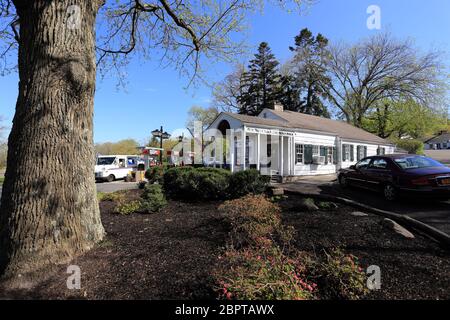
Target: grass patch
{"x": 111, "y": 196}
{"x": 1, "y": 180}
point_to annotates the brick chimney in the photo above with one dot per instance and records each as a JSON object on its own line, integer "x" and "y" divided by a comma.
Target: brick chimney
{"x": 278, "y": 107}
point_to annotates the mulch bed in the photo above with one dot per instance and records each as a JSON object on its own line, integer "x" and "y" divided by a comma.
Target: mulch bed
{"x": 170, "y": 255}
{"x": 410, "y": 268}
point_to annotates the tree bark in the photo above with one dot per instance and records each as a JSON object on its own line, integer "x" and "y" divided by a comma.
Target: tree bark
{"x": 49, "y": 211}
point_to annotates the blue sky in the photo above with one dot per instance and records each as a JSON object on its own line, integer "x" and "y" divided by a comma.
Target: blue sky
{"x": 156, "y": 96}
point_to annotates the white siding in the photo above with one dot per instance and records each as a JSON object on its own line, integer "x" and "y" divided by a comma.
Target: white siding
{"x": 303, "y": 138}
{"x": 318, "y": 140}
{"x": 371, "y": 151}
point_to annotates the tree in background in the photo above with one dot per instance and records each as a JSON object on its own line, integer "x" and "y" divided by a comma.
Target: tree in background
{"x": 380, "y": 68}
{"x": 53, "y": 122}
{"x": 3, "y": 154}
{"x": 290, "y": 93}
{"x": 204, "y": 115}
{"x": 308, "y": 74}
{"x": 261, "y": 83}
{"x": 124, "y": 147}
{"x": 405, "y": 119}
{"x": 153, "y": 142}
{"x": 168, "y": 144}
{"x": 412, "y": 146}
{"x": 226, "y": 93}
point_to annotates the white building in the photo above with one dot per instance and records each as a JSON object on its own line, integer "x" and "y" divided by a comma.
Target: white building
{"x": 290, "y": 144}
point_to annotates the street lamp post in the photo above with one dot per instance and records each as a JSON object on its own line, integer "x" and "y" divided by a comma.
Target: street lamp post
{"x": 161, "y": 135}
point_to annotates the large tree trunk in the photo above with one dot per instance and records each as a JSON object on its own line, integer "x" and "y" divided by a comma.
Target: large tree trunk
{"x": 49, "y": 211}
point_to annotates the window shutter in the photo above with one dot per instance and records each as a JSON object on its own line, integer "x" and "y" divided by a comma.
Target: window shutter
{"x": 352, "y": 153}
{"x": 365, "y": 152}
{"x": 344, "y": 151}
{"x": 323, "y": 153}
{"x": 308, "y": 154}
{"x": 358, "y": 153}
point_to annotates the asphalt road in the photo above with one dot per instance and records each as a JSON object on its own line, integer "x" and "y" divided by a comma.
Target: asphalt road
{"x": 109, "y": 187}
{"x": 115, "y": 186}
{"x": 430, "y": 211}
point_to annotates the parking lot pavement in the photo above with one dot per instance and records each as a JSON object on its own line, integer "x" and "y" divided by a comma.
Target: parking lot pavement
{"x": 432, "y": 212}
{"x": 115, "y": 186}
{"x": 109, "y": 186}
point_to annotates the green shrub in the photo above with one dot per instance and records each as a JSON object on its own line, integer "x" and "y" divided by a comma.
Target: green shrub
{"x": 338, "y": 276}
{"x": 196, "y": 183}
{"x": 412, "y": 146}
{"x": 127, "y": 208}
{"x": 153, "y": 199}
{"x": 212, "y": 183}
{"x": 254, "y": 219}
{"x": 327, "y": 206}
{"x": 155, "y": 174}
{"x": 247, "y": 182}
{"x": 264, "y": 273}
{"x": 175, "y": 181}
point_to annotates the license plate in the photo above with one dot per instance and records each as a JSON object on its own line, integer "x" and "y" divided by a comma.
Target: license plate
{"x": 445, "y": 182}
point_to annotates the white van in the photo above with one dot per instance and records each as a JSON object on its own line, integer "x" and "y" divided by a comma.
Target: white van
{"x": 113, "y": 167}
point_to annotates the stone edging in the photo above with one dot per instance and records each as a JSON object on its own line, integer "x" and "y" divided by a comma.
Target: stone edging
{"x": 436, "y": 234}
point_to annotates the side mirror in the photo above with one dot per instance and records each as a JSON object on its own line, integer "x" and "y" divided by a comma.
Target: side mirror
{"x": 353, "y": 167}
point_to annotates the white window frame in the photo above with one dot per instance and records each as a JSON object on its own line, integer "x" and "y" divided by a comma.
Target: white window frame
{"x": 361, "y": 154}
{"x": 301, "y": 153}
{"x": 330, "y": 155}
{"x": 316, "y": 150}
{"x": 347, "y": 149}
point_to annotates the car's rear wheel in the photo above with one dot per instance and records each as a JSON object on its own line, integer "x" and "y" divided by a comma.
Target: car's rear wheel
{"x": 343, "y": 181}
{"x": 390, "y": 192}
{"x": 111, "y": 178}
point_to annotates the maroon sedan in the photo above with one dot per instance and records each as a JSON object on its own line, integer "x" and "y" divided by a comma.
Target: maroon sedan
{"x": 398, "y": 174}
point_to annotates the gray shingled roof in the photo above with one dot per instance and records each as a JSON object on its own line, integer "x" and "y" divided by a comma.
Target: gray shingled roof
{"x": 443, "y": 138}
{"x": 296, "y": 120}
{"x": 258, "y": 120}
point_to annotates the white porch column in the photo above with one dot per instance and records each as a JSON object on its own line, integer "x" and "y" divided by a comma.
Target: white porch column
{"x": 232, "y": 155}
{"x": 281, "y": 156}
{"x": 294, "y": 155}
{"x": 258, "y": 151}
{"x": 244, "y": 147}
{"x": 339, "y": 153}
{"x": 289, "y": 155}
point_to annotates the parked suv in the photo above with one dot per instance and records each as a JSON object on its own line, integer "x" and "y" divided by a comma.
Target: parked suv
{"x": 399, "y": 174}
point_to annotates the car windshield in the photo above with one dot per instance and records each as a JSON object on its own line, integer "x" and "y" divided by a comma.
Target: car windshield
{"x": 105, "y": 160}
{"x": 417, "y": 162}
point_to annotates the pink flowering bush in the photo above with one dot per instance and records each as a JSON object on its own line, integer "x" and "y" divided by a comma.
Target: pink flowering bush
{"x": 261, "y": 264}
{"x": 338, "y": 275}
{"x": 253, "y": 218}
{"x": 262, "y": 274}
